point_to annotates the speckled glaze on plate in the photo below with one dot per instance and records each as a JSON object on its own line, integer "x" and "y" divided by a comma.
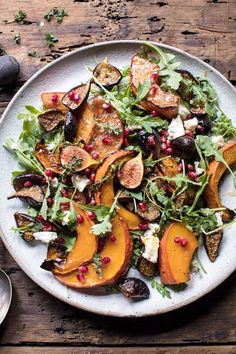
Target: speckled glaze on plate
{"x": 60, "y": 75}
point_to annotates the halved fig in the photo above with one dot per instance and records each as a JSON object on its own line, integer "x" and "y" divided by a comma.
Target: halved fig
{"x": 33, "y": 195}
{"x": 56, "y": 256}
{"x": 165, "y": 104}
{"x": 107, "y": 136}
{"x": 131, "y": 173}
{"x": 212, "y": 244}
{"x": 74, "y": 98}
{"x": 75, "y": 159}
{"x": 70, "y": 127}
{"x": 33, "y": 178}
{"x": 51, "y": 119}
{"x": 24, "y": 220}
{"x": 52, "y": 100}
{"x": 134, "y": 288}
{"x": 49, "y": 160}
{"x": 150, "y": 213}
{"x": 146, "y": 267}
{"x": 85, "y": 126}
{"x": 107, "y": 74}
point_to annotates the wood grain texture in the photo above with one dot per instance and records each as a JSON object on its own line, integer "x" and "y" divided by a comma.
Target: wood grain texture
{"x": 205, "y": 28}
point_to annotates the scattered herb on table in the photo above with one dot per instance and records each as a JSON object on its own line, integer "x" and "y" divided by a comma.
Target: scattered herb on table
{"x": 50, "y": 39}
{"x": 17, "y": 38}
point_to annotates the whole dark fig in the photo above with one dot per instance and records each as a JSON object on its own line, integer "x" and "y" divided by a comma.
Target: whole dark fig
{"x": 9, "y": 69}
{"x": 184, "y": 147}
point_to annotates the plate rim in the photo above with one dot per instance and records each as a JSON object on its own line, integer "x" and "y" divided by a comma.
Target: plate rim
{"x": 26, "y": 270}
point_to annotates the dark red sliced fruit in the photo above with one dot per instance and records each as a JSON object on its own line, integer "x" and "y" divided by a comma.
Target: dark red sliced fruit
{"x": 51, "y": 119}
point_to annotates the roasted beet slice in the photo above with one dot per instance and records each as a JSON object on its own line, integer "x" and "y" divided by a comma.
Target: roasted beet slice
{"x": 134, "y": 288}
{"x": 33, "y": 195}
{"x": 74, "y": 98}
{"x": 33, "y": 178}
{"x": 70, "y": 127}
{"x": 23, "y": 220}
{"x": 107, "y": 74}
{"x": 50, "y": 119}
{"x": 49, "y": 160}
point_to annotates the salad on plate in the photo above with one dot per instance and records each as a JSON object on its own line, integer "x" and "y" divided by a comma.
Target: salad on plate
{"x": 123, "y": 171}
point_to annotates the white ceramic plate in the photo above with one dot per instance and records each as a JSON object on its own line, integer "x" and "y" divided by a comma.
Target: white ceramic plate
{"x": 61, "y": 75}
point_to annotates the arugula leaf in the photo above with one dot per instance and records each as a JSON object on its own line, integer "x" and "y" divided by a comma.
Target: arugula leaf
{"x": 167, "y": 67}
{"x": 69, "y": 242}
{"x": 99, "y": 210}
{"x": 136, "y": 195}
{"x": 160, "y": 288}
{"x": 44, "y": 207}
{"x": 142, "y": 91}
{"x": 224, "y": 126}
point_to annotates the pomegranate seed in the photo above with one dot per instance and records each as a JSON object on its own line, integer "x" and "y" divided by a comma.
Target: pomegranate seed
{"x": 153, "y": 91}
{"x": 63, "y": 192}
{"x": 154, "y": 77}
{"x": 151, "y": 141}
{"x": 163, "y": 147}
{"x": 164, "y": 133}
{"x": 48, "y": 173}
{"x": 92, "y": 177}
{"x": 142, "y": 206}
{"x": 163, "y": 139}
{"x": 88, "y": 171}
{"x": 64, "y": 205}
{"x": 88, "y": 147}
{"x": 47, "y": 227}
{"x": 189, "y": 133}
{"x": 72, "y": 95}
{"x": 80, "y": 277}
{"x": 192, "y": 175}
{"x": 143, "y": 226}
{"x": 190, "y": 167}
{"x": 106, "y": 140}
{"x": 59, "y": 240}
{"x": 92, "y": 202}
{"x": 91, "y": 215}
{"x": 177, "y": 239}
{"x": 80, "y": 218}
{"x": 200, "y": 128}
{"x": 50, "y": 201}
{"x": 106, "y": 106}
{"x": 154, "y": 114}
{"x": 106, "y": 260}
{"x": 44, "y": 181}
{"x": 126, "y": 142}
{"x": 83, "y": 269}
{"x": 40, "y": 218}
{"x": 126, "y": 132}
{"x": 170, "y": 151}
{"x": 27, "y": 184}
{"x": 54, "y": 98}
{"x": 95, "y": 155}
{"x": 183, "y": 243}
{"x": 189, "y": 116}
{"x": 101, "y": 244}
{"x": 76, "y": 98}
{"x": 168, "y": 143}
{"x": 180, "y": 167}
{"x": 113, "y": 238}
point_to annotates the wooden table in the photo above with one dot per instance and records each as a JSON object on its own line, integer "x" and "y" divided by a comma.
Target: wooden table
{"x": 205, "y": 28}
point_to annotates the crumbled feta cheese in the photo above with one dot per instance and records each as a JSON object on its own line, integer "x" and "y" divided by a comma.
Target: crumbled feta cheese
{"x": 198, "y": 169}
{"x": 65, "y": 220}
{"x": 151, "y": 244}
{"x": 219, "y": 218}
{"x": 183, "y": 111}
{"x": 176, "y": 128}
{"x": 218, "y": 140}
{"x": 51, "y": 146}
{"x": 45, "y": 236}
{"x": 54, "y": 182}
{"x": 134, "y": 127}
{"x": 191, "y": 124}
{"x": 80, "y": 182}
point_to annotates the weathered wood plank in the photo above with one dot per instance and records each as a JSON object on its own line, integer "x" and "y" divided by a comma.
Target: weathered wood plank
{"x": 113, "y": 350}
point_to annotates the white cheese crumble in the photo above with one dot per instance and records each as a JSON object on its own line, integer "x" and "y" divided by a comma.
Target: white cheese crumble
{"x": 54, "y": 182}
{"x": 176, "y": 128}
{"x": 45, "y": 236}
{"x": 218, "y": 140}
{"x": 219, "y": 218}
{"x": 79, "y": 182}
{"x": 66, "y": 217}
{"x": 151, "y": 243}
{"x": 198, "y": 169}
{"x": 183, "y": 111}
{"x": 191, "y": 124}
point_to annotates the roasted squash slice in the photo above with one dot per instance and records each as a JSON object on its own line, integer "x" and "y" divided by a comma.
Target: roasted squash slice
{"x": 166, "y": 104}
{"x": 49, "y": 160}
{"x": 85, "y": 125}
{"x": 119, "y": 253}
{"x": 52, "y": 100}
{"x": 105, "y": 195}
{"x": 215, "y": 171}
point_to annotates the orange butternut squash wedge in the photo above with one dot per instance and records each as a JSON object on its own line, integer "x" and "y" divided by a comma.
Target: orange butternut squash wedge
{"x": 106, "y": 194}
{"x": 52, "y": 100}
{"x": 85, "y": 125}
{"x": 174, "y": 259}
{"x": 84, "y": 248}
{"x": 107, "y": 136}
{"x": 49, "y": 160}
{"x": 119, "y": 252}
{"x": 215, "y": 171}
{"x": 166, "y": 104}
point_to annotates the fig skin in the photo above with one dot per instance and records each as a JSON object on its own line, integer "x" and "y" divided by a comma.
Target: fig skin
{"x": 146, "y": 267}
{"x": 133, "y": 288}
{"x": 70, "y": 127}
{"x": 82, "y": 91}
{"x": 34, "y": 178}
{"x": 107, "y": 75}
{"x": 142, "y": 139}
{"x": 184, "y": 147}
{"x": 51, "y": 119}
{"x": 151, "y": 212}
{"x": 24, "y": 220}
{"x": 131, "y": 174}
